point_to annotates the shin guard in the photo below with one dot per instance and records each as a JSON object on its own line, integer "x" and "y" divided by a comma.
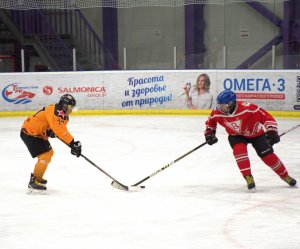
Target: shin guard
{"x": 42, "y": 164}
{"x": 241, "y": 157}
{"x": 275, "y": 164}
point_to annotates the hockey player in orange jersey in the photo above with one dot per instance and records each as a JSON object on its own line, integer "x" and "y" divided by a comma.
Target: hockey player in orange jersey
{"x": 246, "y": 123}
{"x": 50, "y": 121}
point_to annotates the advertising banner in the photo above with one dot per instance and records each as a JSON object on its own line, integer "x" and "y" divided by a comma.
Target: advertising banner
{"x": 150, "y": 90}
{"x": 272, "y": 90}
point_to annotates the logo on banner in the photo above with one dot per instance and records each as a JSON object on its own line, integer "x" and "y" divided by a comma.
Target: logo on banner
{"x": 16, "y": 94}
{"x": 47, "y": 90}
{"x": 298, "y": 89}
{"x": 257, "y": 88}
{"x": 297, "y": 107}
{"x": 91, "y": 91}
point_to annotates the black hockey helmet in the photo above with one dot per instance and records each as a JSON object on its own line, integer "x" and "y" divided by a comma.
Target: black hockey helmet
{"x": 67, "y": 102}
{"x": 67, "y": 99}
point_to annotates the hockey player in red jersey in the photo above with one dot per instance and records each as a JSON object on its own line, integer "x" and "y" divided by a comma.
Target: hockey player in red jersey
{"x": 246, "y": 123}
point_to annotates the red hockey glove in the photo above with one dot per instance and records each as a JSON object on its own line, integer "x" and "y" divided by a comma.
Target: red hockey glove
{"x": 210, "y": 136}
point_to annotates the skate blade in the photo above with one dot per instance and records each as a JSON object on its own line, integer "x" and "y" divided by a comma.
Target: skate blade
{"x": 295, "y": 186}
{"x": 253, "y": 190}
{"x": 32, "y": 191}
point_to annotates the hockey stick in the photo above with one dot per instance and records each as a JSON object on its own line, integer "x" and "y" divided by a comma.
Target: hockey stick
{"x": 176, "y": 160}
{"x": 168, "y": 165}
{"x": 116, "y": 184}
{"x": 287, "y": 131}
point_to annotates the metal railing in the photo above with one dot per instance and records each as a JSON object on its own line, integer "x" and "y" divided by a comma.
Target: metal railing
{"x": 60, "y": 33}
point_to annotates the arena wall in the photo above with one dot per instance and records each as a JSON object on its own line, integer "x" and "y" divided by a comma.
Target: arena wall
{"x": 146, "y": 92}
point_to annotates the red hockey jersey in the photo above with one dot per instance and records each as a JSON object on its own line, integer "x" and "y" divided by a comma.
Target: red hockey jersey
{"x": 247, "y": 120}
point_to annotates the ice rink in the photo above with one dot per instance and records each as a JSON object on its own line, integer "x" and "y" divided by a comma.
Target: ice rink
{"x": 200, "y": 202}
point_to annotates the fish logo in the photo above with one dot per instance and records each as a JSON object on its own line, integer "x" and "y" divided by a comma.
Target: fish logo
{"x": 48, "y": 90}
{"x": 16, "y": 95}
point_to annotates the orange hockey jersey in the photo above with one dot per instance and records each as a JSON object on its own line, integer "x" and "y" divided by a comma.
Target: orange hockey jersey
{"x": 50, "y": 117}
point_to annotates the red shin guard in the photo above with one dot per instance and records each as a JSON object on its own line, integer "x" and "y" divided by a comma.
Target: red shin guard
{"x": 241, "y": 156}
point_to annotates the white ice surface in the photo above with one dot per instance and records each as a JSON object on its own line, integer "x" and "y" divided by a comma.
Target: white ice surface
{"x": 200, "y": 202}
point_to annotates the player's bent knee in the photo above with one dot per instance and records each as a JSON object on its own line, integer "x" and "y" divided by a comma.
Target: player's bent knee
{"x": 45, "y": 158}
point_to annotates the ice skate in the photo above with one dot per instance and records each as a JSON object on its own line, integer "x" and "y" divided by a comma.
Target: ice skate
{"x": 43, "y": 181}
{"x": 36, "y": 187}
{"x": 290, "y": 181}
{"x": 250, "y": 183}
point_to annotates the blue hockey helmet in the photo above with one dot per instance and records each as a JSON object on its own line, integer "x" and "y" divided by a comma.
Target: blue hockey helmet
{"x": 226, "y": 96}
{"x": 226, "y": 101}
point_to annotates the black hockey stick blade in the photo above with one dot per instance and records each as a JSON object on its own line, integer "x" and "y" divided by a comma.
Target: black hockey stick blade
{"x": 120, "y": 186}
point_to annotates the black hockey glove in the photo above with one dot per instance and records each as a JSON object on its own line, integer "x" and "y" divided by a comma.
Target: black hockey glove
{"x": 50, "y": 133}
{"x": 210, "y": 136}
{"x": 75, "y": 148}
{"x": 272, "y": 137}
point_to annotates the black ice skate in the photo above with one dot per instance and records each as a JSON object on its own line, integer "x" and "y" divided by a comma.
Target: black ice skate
{"x": 290, "y": 181}
{"x": 36, "y": 187}
{"x": 250, "y": 183}
{"x": 43, "y": 182}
